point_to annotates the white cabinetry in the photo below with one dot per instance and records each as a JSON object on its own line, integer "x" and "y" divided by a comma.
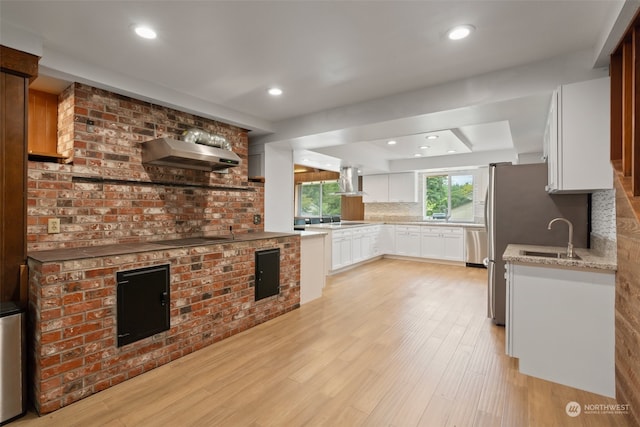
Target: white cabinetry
{"x": 577, "y": 138}
{"x": 445, "y": 243}
{"x": 395, "y": 188}
{"x": 560, "y": 324}
{"x": 341, "y": 249}
{"x": 354, "y": 245}
{"x": 370, "y": 241}
{"x": 375, "y": 188}
{"x": 408, "y": 240}
{"x": 387, "y": 239}
{"x": 357, "y": 254}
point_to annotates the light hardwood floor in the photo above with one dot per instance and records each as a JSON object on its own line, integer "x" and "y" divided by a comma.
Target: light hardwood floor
{"x": 391, "y": 343}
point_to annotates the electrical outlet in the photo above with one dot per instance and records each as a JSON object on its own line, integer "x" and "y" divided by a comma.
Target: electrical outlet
{"x": 53, "y": 225}
{"x": 257, "y": 219}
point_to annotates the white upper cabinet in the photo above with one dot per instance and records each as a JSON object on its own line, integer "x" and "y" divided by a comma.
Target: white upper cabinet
{"x": 577, "y": 138}
{"x": 395, "y": 188}
{"x": 375, "y": 188}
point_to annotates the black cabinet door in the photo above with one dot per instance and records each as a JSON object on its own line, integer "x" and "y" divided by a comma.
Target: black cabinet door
{"x": 143, "y": 303}
{"x": 267, "y": 273}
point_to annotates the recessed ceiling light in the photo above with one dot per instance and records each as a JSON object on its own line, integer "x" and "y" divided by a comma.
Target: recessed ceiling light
{"x": 417, "y": 155}
{"x": 305, "y": 160}
{"x": 460, "y": 32}
{"x": 451, "y": 151}
{"x": 432, "y": 137}
{"x": 275, "y": 91}
{"x": 424, "y": 147}
{"x": 145, "y": 32}
{"x": 391, "y": 142}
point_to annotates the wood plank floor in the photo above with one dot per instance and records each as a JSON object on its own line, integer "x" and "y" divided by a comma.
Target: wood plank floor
{"x": 391, "y": 343}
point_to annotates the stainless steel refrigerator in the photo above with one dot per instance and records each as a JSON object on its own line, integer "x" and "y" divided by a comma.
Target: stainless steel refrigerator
{"x": 518, "y": 210}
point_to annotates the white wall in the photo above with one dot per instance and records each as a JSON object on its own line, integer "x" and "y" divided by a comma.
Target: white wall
{"x": 278, "y": 188}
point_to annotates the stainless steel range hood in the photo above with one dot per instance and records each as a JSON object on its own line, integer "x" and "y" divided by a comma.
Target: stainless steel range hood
{"x": 348, "y": 182}
{"x": 188, "y": 155}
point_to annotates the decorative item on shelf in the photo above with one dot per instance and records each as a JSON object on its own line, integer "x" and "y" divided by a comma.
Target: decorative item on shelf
{"x": 198, "y": 136}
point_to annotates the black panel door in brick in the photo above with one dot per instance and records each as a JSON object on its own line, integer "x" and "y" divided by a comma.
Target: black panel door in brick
{"x": 267, "y": 273}
{"x": 143, "y": 303}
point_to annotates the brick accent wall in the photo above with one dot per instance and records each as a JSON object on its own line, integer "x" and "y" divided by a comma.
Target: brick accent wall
{"x": 73, "y": 313}
{"x": 627, "y": 302}
{"x": 105, "y": 195}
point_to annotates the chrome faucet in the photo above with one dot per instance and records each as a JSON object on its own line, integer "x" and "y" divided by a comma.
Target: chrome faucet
{"x": 570, "y": 253}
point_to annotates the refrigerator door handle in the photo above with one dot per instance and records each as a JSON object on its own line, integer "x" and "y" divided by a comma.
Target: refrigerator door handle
{"x": 491, "y": 303}
{"x": 490, "y": 213}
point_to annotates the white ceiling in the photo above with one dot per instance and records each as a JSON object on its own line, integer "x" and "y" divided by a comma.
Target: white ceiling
{"x": 351, "y": 71}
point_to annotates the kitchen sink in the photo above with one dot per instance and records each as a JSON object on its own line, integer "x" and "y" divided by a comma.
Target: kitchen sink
{"x": 560, "y": 255}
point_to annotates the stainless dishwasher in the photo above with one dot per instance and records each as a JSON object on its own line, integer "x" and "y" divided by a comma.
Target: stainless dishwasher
{"x": 475, "y": 246}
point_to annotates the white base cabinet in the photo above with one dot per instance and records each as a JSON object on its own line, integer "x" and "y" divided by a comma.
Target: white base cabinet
{"x": 446, "y": 243}
{"x": 560, "y": 324}
{"x": 408, "y": 240}
{"x": 341, "y": 255}
{"x": 357, "y": 244}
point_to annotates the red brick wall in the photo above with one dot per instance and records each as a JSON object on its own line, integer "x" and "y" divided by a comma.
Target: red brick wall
{"x": 145, "y": 202}
{"x": 73, "y": 313}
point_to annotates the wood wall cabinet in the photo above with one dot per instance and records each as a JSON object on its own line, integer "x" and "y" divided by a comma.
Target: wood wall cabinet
{"x": 17, "y": 70}
{"x": 43, "y": 124}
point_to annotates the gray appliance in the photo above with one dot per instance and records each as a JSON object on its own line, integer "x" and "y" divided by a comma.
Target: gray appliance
{"x": 518, "y": 210}
{"x": 13, "y": 395}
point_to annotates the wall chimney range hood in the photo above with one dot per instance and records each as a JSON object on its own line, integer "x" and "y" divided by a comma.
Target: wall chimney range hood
{"x": 348, "y": 182}
{"x": 187, "y": 155}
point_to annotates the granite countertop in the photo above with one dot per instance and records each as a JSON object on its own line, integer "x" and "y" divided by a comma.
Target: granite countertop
{"x": 590, "y": 259}
{"x": 308, "y": 233}
{"x": 352, "y": 224}
{"x": 68, "y": 254}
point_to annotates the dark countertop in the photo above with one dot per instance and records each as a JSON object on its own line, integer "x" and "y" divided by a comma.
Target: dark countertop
{"x": 68, "y": 254}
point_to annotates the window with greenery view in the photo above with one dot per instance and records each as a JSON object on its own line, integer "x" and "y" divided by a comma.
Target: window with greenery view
{"x": 448, "y": 197}
{"x": 318, "y": 199}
